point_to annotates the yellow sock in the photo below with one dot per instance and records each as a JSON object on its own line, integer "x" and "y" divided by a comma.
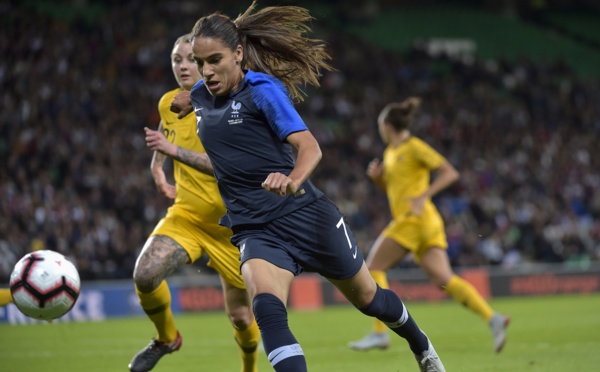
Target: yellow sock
{"x": 381, "y": 279}
{"x": 157, "y": 305}
{"x": 5, "y": 297}
{"x": 464, "y": 293}
{"x": 247, "y": 341}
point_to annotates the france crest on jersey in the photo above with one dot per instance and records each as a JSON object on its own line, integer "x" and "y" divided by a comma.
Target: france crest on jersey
{"x": 244, "y": 134}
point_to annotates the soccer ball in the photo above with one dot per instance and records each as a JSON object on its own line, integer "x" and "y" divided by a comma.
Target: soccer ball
{"x": 44, "y": 285}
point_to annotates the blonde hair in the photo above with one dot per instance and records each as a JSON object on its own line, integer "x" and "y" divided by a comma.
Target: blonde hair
{"x": 187, "y": 38}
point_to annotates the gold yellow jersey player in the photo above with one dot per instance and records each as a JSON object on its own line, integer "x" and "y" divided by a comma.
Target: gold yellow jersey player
{"x": 189, "y": 229}
{"x": 416, "y": 225}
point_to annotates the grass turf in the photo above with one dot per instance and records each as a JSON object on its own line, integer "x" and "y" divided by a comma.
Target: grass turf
{"x": 546, "y": 334}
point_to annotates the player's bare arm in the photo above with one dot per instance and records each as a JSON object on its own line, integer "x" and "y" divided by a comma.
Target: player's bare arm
{"x": 181, "y": 104}
{"x": 309, "y": 155}
{"x": 156, "y": 140}
{"x": 158, "y": 173}
{"x": 195, "y": 160}
{"x": 446, "y": 175}
{"x": 375, "y": 173}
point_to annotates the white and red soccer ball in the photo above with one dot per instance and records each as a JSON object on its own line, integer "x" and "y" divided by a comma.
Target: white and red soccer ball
{"x": 44, "y": 285}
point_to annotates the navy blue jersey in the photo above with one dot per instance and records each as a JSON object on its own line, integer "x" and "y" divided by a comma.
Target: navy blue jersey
{"x": 244, "y": 134}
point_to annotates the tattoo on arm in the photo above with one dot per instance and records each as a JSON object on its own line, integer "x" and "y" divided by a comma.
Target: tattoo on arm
{"x": 196, "y": 160}
{"x": 158, "y": 158}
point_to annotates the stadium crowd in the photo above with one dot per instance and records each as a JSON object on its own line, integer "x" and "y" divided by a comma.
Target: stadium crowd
{"x": 75, "y": 94}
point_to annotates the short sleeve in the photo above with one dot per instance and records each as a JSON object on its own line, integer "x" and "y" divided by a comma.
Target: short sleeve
{"x": 427, "y": 155}
{"x": 271, "y": 98}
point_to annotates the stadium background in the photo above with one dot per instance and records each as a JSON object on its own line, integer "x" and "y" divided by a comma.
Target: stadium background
{"x": 510, "y": 89}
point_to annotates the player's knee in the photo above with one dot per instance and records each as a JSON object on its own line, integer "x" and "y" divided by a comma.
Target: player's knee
{"x": 144, "y": 282}
{"x": 441, "y": 281}
{"x": 387, "y": 307}
{"x": 240, "y": 317}
{"x": 365, "y": 297}
{"x": 377, "y": 305}
{"x": 269, "y": 311}
{"x": 439, "y": 284}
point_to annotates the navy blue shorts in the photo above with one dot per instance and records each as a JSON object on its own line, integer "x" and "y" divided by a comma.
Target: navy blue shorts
{"x": 314, "y": 238}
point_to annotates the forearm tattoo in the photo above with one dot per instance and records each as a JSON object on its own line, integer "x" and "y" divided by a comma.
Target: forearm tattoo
{"x": 160, "y": 258}
{"x": 196, "y": 160}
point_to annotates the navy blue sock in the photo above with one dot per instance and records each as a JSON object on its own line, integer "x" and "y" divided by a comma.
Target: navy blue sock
{"x": 387, "y": 307}
{"x": 281, "y": 347}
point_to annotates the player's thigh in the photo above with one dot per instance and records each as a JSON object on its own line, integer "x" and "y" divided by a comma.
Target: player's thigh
{"x": 268, "y": 263}
{"x": 160, "y": 257}
{"x": 161, "y": 250}
{"x": 234, "y": 297}
{"x": 223, "y": 256}
{"x": 173, "y": 243}
{"x": 432, "y": 234}
{"x": 359, "y": 289}
{"x": 385, "y": 254}
{"x": 180, "y": 226}
{"x": 262, "y": 276}
{"x": 436, "y": 264}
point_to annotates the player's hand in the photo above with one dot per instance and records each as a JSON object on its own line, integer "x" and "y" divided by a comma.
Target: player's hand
{"x": 280, "y": 184}
{"x": 375, "y": 169}
{"x": 156, "y": 140}
{"x": 417, "y": 204}
{"x": 167, "y": 190}
{"x": 163, "y": 186}
{"x": 181, "y": 104}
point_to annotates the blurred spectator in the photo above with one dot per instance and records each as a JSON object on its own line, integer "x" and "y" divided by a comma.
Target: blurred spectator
{"x": 76, "y": 92}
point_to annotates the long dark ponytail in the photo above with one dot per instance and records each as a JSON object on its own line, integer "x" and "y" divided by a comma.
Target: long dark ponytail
{"x": 274, "y": 41}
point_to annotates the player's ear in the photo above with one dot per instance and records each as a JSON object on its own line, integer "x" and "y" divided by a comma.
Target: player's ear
{"x": 239, "y": 54}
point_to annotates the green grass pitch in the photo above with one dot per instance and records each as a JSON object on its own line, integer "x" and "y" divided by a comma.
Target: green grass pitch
{"x": 548, "y": 334}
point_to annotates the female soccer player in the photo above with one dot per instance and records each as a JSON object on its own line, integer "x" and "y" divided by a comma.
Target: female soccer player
{"x": 416, "y": 226}
{"x": 190, "y": 228}
{"x": 282, "y": 224}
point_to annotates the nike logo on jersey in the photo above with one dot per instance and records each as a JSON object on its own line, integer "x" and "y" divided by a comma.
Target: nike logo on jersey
{"x": 169, "y": 122}
{"x": 198, "y": 109}
{"x": 355, "y": 252}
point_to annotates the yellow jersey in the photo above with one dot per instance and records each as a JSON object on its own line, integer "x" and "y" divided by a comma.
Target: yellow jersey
{"x": 406, "y": 173}
{"x": 197, "y": 193}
